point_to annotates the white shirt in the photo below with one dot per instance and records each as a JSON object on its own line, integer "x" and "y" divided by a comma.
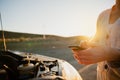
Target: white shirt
{"x": 108, "y": 34}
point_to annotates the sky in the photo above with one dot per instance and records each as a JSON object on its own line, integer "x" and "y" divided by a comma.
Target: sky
{"x": 54, "y": 17}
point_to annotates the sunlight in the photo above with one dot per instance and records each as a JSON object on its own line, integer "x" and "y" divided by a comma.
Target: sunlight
{"x": 63, "y": 18}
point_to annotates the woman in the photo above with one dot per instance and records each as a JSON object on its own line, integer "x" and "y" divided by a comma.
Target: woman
{"x": 104, "y": 48}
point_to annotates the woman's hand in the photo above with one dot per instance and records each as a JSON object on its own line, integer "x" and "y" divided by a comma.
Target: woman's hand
{"x": 92, "y": 55}
{"x": 88, "y": 44}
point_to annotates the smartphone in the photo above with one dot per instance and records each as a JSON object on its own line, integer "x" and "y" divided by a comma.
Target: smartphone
{"x": 76, "y": 48}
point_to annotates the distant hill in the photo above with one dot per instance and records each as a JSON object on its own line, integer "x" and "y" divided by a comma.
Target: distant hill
{"x": 11, "y": 35}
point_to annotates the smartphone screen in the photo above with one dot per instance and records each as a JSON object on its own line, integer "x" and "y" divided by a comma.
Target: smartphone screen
{"x": 76, "y": 48}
